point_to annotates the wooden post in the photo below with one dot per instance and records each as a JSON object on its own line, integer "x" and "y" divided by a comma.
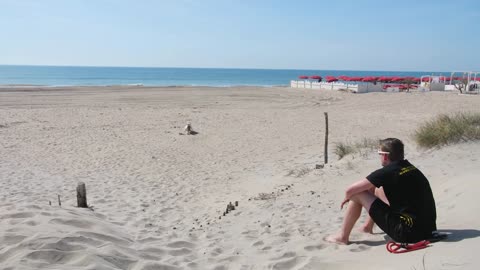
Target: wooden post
{"x": 81, "y": 195}
{"x": 59, "y": 201}
{"x": 326, "y": 138}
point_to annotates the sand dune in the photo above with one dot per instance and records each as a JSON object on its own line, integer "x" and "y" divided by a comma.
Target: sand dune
{"x": 158, "y": 197}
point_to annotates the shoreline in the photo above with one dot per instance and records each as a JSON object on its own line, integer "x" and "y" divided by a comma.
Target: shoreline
{"x": 226, "y": 68}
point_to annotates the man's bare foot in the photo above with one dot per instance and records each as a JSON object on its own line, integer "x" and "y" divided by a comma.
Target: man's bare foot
{"x": 336, "y": 239}
{"x": 366, "y": 230}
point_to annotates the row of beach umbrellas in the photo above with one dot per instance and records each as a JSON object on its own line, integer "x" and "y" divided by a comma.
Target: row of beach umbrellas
{"x": 384, "y": 79}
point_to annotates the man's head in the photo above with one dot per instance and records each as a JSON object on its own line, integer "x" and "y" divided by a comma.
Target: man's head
{"x": 391, "y": 149}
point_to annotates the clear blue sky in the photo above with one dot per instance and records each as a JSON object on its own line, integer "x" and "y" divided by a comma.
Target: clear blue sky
{"x": 338, "y": 34}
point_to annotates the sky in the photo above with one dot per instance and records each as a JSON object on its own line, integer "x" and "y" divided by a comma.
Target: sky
{"x": 391, "y": 35}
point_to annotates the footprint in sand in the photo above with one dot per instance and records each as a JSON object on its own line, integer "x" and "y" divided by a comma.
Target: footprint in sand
{"x": 216, "y": 252}
{"x": 78, "y": 223}
{"x": 63, "y": 245}
{"x": 258, "y": 243}
{"x": 359, "y": 248}
{"x": 7, "y": 239}
{"x": 181, "y": 244}
{"x": 31, "y": 223}
{"x": 287, "y": 261}
{"x": 154, "y": 266}
{"x": 180, "y": 252}
{"x": 18, "y": 215}
{"x": 313, "y": 248}
{"x": 83, "y": 241}
{"x": 51, "y": 256}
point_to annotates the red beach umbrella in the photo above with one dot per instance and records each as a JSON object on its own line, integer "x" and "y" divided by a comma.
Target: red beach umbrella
{"x": 316, "y": 77}
{"x": 384, "y": 79}
{"x": 332, "y": 79}
{"x": 303, "y": 77}
{"x": 369, "y": 79}
{"x": 409, "y": 79}
{"x": 356, "y": 79}
{"x": 398, "y": 79}
{"x": 426, "y": 79}
{"x": 390, "y": 79}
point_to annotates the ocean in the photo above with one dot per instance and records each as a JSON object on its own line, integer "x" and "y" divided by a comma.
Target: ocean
{"x": 104, "y": 76}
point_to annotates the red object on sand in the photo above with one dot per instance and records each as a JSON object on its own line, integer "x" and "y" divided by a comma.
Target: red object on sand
{"x": 394, "y": 247}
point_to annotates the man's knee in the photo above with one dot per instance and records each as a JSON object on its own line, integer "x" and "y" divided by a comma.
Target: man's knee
{"x": 364, "y": 198}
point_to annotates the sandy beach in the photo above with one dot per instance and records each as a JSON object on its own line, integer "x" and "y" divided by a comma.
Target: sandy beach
{"x": 157, "y": 197}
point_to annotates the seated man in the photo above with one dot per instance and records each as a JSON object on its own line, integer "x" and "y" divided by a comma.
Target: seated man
{"x": 404, "y": 209}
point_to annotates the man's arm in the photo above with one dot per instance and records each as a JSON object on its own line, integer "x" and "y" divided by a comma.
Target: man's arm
{"x": 355, "y": 188}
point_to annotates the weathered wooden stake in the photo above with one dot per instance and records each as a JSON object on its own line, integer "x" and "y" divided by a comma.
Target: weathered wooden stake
{"x": 326, "y": 138}
{"x": 59, "y": 201}
{"x": 81, "y": 195}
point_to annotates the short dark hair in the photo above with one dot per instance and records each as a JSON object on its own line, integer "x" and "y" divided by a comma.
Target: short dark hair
{"x": 394, "y": 147}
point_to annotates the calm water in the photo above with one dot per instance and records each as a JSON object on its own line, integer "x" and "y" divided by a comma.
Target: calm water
{"x": 66, "y": 76}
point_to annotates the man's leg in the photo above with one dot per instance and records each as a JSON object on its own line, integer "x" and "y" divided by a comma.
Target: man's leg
{"x": 368, "y": 225}
{"x": 354, "y": 209}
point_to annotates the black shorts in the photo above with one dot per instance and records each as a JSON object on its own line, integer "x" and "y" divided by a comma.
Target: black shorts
{"x": 401, "y": 227}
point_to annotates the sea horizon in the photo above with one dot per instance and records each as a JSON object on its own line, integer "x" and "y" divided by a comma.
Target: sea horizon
{"x": 55, "y": 75}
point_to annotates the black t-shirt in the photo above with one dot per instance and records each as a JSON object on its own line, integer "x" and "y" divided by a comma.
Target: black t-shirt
{"x": 408, "y": 191}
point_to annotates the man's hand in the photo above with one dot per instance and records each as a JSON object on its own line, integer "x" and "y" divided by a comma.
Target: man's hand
{"x": 344, "y": 202}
